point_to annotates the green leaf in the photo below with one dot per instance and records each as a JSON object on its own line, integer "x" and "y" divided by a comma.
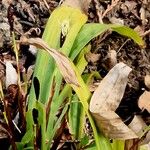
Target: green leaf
{"x": 92, "y": 30}
{"x": 27, "y": 137}
{"x": 85, "y": 140}
{"x": 29, "y": 148}
{"x": 68, "y": 21}
{"x": 42, "y": 123}
{"x": 86, "y": 34}
{"x": 91, "y": 147}
{"x": 76, "y": 118}
{"x": 45, "y": 65}
{"x": 56, "y": 126}
{"x": 128, "y": 32}
{"x": 45, "y": 69}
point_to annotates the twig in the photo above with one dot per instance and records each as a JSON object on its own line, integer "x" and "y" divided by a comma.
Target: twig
{"x": 98, "y": 11}
{"x": 29, "y": 32}
{"x": 123, "y": 45}
{"x": 110, "y": 7}
{"x": 2, "y": 63}
{"x": 46, "y": 4}
{"x": 145, "y": 33}
{"x": 61, "y": 1}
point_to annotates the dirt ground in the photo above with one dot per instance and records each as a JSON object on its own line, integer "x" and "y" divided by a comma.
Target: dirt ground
{"x": 22, "y": 15}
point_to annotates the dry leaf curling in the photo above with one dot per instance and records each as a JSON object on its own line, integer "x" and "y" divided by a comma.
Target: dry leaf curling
{"x": 62, "y": 61}
{"x": 137, "y": 125}
{"x": 110, "y": 91}
{"x": 105, "y": 101}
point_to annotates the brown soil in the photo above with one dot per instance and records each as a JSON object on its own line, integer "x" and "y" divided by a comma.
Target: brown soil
{"x": 34, "y": 13}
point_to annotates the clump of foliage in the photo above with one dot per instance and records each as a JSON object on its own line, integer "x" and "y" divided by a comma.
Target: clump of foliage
{"x": 52, "y": 104}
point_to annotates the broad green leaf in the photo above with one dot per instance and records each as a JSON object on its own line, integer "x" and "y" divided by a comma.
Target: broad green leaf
{"x": 27, "y": 137}
{"x": 56, "y": 126}
{"x": 92, "y": 30}
{"x": 85, "y": 140}
{"x": 81, "y": 89}
{"x": 44, "y": 63}
{"x": 86, "y": 34}
{"x": 130, "y": 33}
{"x": 84, "y": 95}
{"x": 76, "y": 118}
{"x": 64, "y": 20}
{"x": 80, "y": 61}
{"x": 76, "y": 112}
{"x": 42, "y": 123}
{"x": 75, "y": 19}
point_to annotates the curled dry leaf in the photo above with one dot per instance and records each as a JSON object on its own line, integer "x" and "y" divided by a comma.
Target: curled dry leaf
{"x": 146, "y": 140}
{"x": 105, "y": 101}
{"x": 141, "y": 129}
{"x": 110, "y": 91}
{"x": 64, "y": 64}
{"x": 144, "y": 101}
{"x": 143, "y": 15}
{"x": 137, "y": 125}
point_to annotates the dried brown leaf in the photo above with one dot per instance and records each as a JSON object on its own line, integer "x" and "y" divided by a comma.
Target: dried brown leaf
{"x": 30, "y": 72}
{"x": 111, "y": 89}
{"x": 115, "y": 20}
{"x": 144, "y": 101}
{"x": 131, "y": 5}
{"x": 107, "y": 98}
{"x": 112, "y": 126}
{"x": 137, "y": 125}
{"x": 63, "y": 63}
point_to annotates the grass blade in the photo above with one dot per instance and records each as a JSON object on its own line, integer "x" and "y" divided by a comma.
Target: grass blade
{"x": 92, "y": 30}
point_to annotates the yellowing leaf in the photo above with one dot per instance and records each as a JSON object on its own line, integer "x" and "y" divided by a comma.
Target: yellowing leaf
{"x": 63, "y": 19}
